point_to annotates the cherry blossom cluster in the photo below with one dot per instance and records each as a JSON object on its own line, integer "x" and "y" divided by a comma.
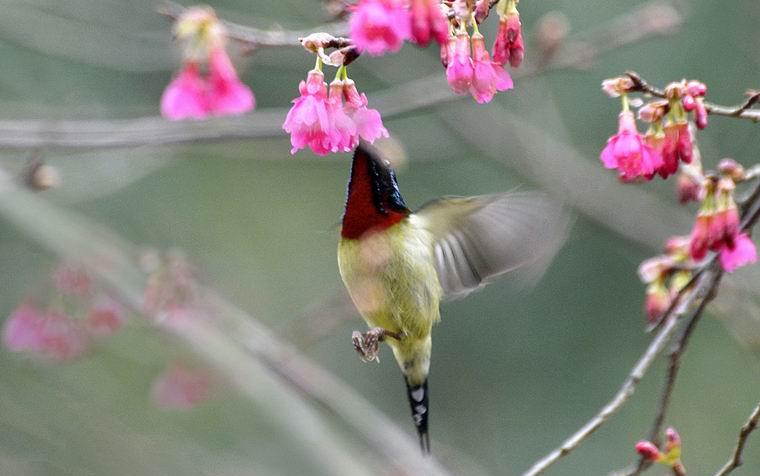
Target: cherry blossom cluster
{"x": 670, "y": 454}
{"x": 207, "y": 85}
{"x": 331, "y": 119}
{"x": 469, "y": 66}
{"x": 381, "y": 26}
{"x": 669, "y": 147}
{"x": 668, "y": 141}
{"x": 77, "y": 316}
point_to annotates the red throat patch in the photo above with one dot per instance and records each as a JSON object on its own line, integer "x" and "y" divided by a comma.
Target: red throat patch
{"x": 364, "y": 208}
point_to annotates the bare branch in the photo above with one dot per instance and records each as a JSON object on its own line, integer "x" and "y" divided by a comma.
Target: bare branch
{"x": 736, "y": 459}
{"x": 257, "y": 37}
{"x": 707, "y": 284}
{"x": 742, "y": 111}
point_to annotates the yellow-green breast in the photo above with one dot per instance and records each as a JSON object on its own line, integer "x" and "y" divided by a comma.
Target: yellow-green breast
{"x": 392, "y": 280}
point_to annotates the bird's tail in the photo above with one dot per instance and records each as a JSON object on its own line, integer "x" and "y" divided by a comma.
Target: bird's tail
{"x": 418, "y": 400}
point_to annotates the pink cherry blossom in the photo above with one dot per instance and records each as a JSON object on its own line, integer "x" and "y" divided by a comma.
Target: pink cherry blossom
{"x": 105, "y": 317}
{"x": 508, "y": 47}
{"x": 186, "y": 96}
{"x": 648, "y": 450}
{"x": 227, "y": 95}
{"x": 380, "y": 26}
{"x": 52, "y": 335}
{"x": 369, "y": 124}
{"x": 700, "y": 238}
{"x": 308, "y": 121}
{"x": 688, "y": 189}
{"x": 428, "y": 22}
{"x": 488, "y": 76}
{"x": 459, "y": 71}
{"x": 342, "y": 133}
{"x": 72, "y": 279}
{"x": 742, "y": 253}
{"x": 62, "y": 337}
{"x": 724, "y": 228}
{"x": 657, "y": 301}
{"x": 180, "y": 388}
{"x": 628, "y": 152}
{"x": 22, "y": 331}
{"x": 676, "y": 148}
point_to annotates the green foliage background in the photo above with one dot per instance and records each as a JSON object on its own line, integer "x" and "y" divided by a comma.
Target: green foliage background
{"x": 515, "y": 370}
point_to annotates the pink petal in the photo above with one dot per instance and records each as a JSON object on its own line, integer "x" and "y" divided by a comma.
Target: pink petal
{"x": 105, "y": 317}
{"x": 227, "y": 94}
{"x": 22, "y": 331}
{"x": 185, "y": 96}
{"x": 180, "y": 388}
{"x": 608, "y": 154}
{"x": 380, "y": 26}
{"x": 743, "y": 253}
{"x": 63, "y": 338}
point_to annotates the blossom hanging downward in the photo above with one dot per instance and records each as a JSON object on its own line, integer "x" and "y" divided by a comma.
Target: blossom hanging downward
{"x": 380, "y": 26}
{"x": 509, "y": 46}
{"x": 369, "y": 124}
{"x": 308, "y": 121}
{"x": 459, "y": 70}
{"x": 488, "y": 77}
{"x": 49, "y": 334}
{"x": 191, "y": 95}
{"x": 324, "y": 123}
{"x": 428, "y": 22}
{"x": 628, "y": 152}
{"x": 742, "y": 253}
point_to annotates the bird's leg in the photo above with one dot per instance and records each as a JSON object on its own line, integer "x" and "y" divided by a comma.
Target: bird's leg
{"x": 367, "y": 344}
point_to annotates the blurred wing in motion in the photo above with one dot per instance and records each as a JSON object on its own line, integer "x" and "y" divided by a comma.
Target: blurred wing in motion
{"x": 477, "y": 239}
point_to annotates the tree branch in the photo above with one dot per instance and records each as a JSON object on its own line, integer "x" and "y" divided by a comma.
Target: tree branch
{"x": 421, "y": 93}
{"x": 707, "y": 284}
{"x": 750, "y": 214}
{"x": 257, "y": 37}
{"x": 742, "y": 111}
{"x": 736, "y": 459}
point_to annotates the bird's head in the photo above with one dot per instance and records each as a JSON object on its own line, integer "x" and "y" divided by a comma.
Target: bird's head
{"x": 373, "y": 200}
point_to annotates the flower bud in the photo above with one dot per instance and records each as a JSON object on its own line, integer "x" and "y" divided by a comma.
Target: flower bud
{"x": 648, "y": 450}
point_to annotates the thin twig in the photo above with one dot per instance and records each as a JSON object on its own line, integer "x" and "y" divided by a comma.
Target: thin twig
{"x": 709, "y": 280}
{"x": 750, "y": 214}
{"x": 257, "y": 37}
{"x": 742, "y": 111}
{"x": 736, "y": 459}
{"x": 421, "y": 93}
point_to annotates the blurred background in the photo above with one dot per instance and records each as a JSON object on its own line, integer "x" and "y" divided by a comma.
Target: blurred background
{"x": 515, "y": 370}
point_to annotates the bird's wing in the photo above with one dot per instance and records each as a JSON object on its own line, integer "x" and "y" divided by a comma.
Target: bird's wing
{"x": 477, "y": 239}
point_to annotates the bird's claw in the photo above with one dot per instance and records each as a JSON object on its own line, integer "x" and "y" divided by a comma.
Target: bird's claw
{"x": 367, "y": 344}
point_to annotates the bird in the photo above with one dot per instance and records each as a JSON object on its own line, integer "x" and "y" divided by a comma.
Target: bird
{"x": 398, "y": 264}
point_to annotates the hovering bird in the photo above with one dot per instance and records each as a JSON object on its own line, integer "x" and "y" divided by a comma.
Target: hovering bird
{"x": 398, "y": 265}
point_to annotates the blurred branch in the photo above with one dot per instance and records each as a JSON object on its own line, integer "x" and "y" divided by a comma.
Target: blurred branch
{"x": 257, "y": 37}
{"x": 90, "y": 134}
{"x": 750, "y": 212}
{"x": 259, "y": 364}
{"x": 428, "y": 91}
{"x": 742, "y": 111}
{"x": 707, "y": 284}
{"x": 736, "y": 459}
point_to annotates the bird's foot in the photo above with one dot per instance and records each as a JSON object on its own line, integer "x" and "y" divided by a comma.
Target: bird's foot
{"x": 368, "y": 344}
